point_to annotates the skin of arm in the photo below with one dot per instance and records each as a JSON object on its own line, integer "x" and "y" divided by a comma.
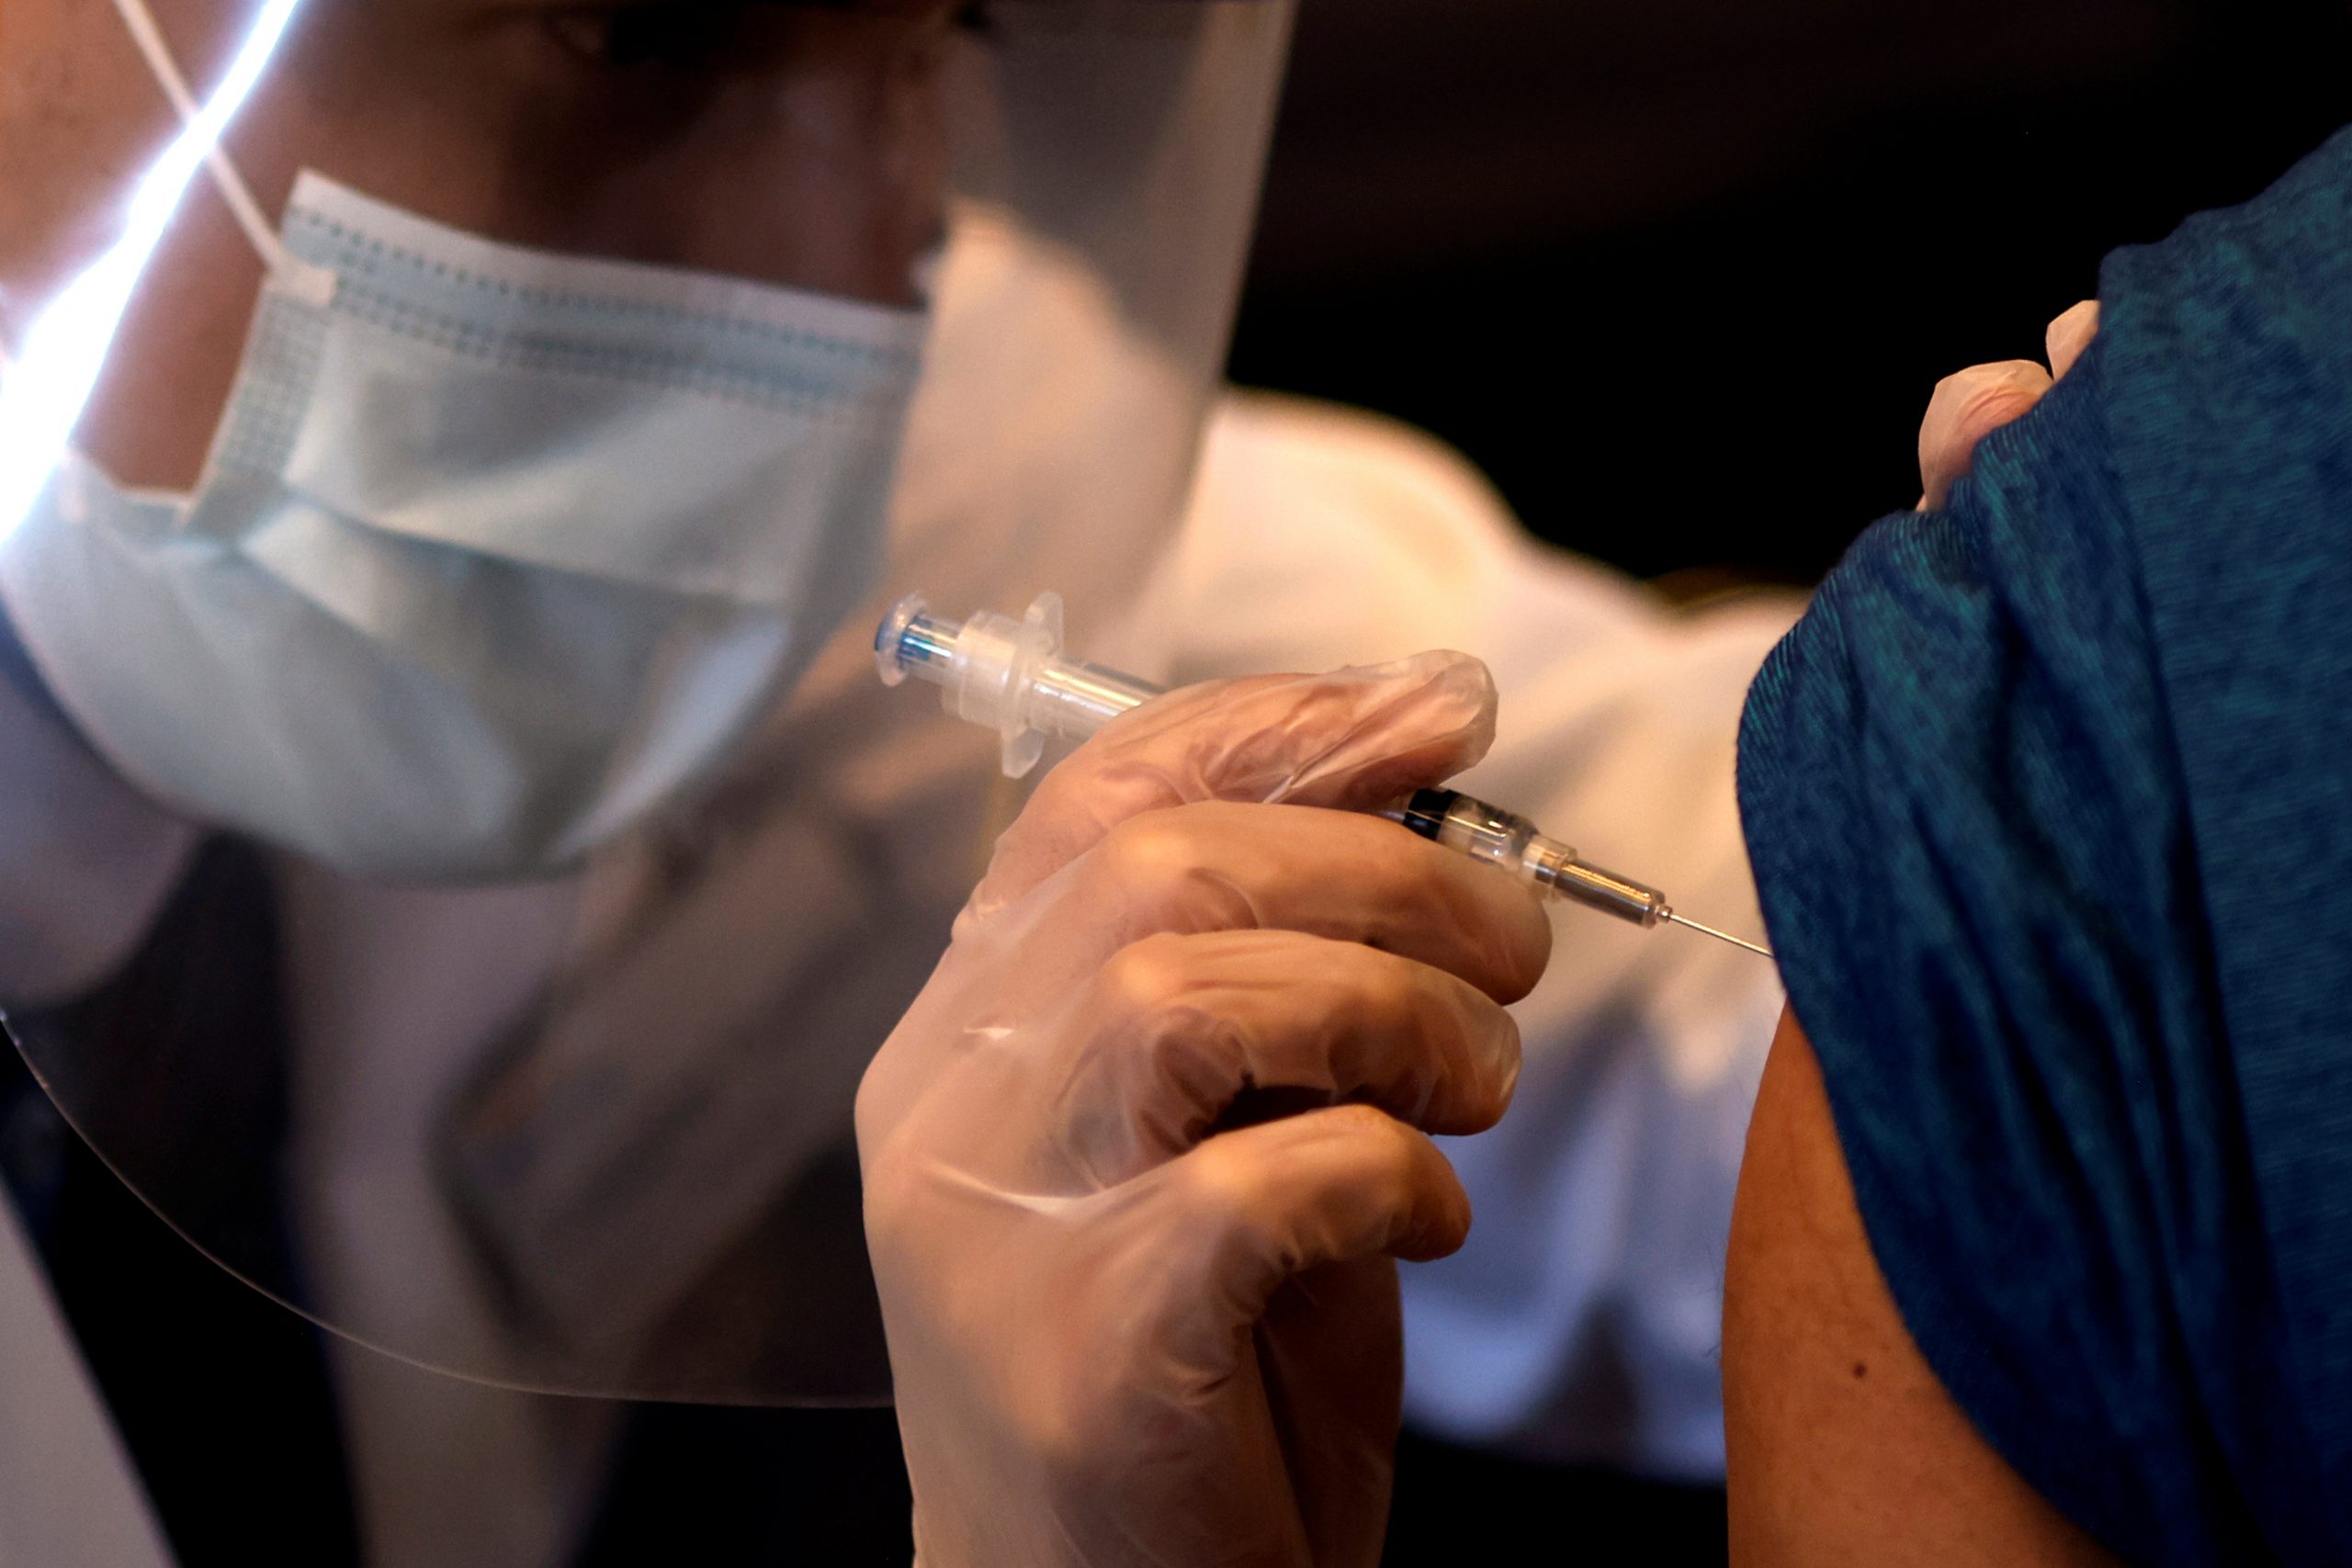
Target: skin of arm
{"x": 1843, "y": 1448}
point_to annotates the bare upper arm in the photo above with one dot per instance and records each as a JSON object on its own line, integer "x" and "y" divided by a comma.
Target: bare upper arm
{"x": 1843, "y": 1446}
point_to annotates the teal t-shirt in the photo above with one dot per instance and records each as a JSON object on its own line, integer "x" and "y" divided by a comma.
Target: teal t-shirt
{"x": 2050, "y": 800}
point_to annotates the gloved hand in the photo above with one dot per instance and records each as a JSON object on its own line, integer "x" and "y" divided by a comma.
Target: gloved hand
{"x": 1138, "y": 1158}
{"x": 1974, "y": 402}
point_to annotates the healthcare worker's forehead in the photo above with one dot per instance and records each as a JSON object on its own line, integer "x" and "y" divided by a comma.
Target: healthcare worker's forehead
{"x": 494, "y": 44}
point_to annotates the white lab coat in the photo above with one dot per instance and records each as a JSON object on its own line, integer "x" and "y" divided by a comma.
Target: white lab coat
{"x": 1580, "y": 1321}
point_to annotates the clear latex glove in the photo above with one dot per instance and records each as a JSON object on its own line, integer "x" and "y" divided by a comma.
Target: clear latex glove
{"x": 1133, "y": 1252}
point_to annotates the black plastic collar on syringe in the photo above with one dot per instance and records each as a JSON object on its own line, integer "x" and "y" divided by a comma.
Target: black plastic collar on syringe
{"x": 1425, "y": 814}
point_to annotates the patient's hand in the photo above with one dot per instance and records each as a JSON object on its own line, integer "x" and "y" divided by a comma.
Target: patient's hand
{"x": 1971, "y": 405}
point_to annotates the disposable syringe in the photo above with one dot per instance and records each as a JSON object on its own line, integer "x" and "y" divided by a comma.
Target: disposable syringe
{"x": 1011, "y": 676}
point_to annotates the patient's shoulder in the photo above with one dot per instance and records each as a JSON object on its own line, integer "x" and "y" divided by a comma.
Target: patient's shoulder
{"x": 2046, "y": 803}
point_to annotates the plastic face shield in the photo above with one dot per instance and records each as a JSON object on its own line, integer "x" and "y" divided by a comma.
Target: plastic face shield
{"x": 586, "y": 1132}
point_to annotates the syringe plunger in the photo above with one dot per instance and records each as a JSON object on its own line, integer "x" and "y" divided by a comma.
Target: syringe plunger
{"x": 1009, "y": 675}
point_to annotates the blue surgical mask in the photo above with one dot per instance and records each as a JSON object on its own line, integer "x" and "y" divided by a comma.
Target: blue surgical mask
{"x": 496, "y": 552}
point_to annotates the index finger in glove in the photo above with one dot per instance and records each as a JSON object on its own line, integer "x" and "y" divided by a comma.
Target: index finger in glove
{"x": 1357, "y": 739}
{"x": 1176, "y": 1031}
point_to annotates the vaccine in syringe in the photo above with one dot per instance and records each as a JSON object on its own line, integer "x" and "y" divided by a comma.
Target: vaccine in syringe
{"x": 1010, "y": 675}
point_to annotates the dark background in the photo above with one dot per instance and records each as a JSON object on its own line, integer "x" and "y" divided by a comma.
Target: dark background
{"x": 1680, "y": 275}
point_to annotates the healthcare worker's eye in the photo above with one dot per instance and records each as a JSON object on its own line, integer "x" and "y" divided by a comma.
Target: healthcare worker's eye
{"x": 712, "y": 36}
{"x": 681, "y": 35}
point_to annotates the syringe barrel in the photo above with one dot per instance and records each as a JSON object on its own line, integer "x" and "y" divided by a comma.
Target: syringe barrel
{"x": 1479, "y": 830}
{"x": 1487, "y": 832}
{"x": 1072, "y": 699}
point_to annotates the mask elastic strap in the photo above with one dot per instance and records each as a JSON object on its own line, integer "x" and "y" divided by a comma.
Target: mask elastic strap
{"x": 140, "y": 22}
